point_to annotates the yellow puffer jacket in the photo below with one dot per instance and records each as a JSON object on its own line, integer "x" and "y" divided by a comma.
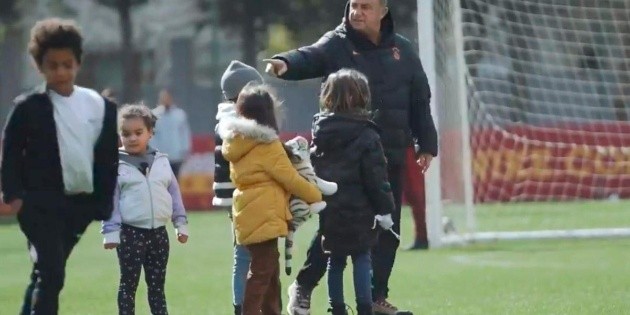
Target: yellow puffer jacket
{"x": 264, "y": 178}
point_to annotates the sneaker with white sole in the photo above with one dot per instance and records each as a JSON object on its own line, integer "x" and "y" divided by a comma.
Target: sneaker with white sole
{"x": 299, "y": 300}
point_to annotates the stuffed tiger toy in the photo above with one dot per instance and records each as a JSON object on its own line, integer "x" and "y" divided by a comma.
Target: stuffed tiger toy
{"x": 301, "y": 211}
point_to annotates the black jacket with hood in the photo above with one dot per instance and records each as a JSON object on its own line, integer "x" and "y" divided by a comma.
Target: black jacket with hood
{"x": 348, "y": 151}
{"x": 398, "y": 84}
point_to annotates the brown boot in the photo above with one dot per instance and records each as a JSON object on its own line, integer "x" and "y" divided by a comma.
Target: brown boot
{"x": 383, "y": 307}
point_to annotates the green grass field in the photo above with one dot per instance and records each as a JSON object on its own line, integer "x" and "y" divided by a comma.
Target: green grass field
{"x": 544, "y": 277}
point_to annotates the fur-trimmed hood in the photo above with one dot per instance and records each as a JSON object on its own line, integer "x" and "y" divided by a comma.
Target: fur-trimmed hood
{"x": 226, "y": 110}
{"x": 241, "y": 135}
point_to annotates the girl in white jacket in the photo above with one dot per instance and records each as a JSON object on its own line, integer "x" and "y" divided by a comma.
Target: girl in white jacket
{"x": 147, "y": 196}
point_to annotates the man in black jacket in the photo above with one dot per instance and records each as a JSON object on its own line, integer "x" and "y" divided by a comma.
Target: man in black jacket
{"x": 366, "y": 41}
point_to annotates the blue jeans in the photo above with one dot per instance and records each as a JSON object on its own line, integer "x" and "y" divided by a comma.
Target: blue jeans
{"x": 239, "y": 273}
{"x": 362, "y": 281}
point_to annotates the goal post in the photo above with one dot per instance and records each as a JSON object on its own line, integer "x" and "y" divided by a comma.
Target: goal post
{"x": 426, "y": 42}
{"x": 532, "y": 103}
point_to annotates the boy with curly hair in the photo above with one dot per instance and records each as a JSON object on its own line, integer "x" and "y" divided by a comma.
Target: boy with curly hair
{"x": 59, "y": 160}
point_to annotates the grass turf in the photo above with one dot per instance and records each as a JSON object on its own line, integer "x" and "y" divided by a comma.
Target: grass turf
{"x": 539, "y": 277}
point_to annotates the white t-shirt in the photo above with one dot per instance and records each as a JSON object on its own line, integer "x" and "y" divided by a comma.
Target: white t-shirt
{"x": 79, "y": 121}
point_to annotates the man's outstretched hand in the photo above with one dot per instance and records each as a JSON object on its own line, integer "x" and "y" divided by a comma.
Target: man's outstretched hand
{"x": 275, "y": 67}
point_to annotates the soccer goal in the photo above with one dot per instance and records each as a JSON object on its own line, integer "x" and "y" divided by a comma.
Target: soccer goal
{"x": 532, "y": 103}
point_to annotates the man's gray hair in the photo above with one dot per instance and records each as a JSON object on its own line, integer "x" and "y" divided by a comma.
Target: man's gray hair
{"x": 384, "y": 3}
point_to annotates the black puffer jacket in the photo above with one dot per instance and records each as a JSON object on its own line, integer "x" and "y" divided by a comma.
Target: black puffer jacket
{"x": 348, "y": 151}
{"x": 398, "y": 84}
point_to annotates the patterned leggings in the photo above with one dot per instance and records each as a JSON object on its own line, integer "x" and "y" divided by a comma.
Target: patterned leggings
{"x": 148, "y": 248}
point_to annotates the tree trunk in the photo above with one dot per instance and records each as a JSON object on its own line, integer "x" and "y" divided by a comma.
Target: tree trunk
{"x": 131, "y": 69}
{"x": 11, "y": 50}
{"x": 249, "y": 36}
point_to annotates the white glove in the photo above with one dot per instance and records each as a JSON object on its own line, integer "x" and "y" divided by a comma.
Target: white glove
{"x": 385, "y": 221}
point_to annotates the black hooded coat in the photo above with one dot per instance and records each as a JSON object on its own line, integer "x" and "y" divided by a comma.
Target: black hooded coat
{"x": 348, "y": 151}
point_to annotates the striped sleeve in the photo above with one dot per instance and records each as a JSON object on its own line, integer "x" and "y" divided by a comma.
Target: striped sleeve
{"x": 222, "y": 186}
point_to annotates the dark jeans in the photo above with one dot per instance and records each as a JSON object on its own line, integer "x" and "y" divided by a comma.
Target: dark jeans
{"x": 361, "y": 265}
{"x": 138, "y": 249}
{"x": 53, "y": 226}
{"x": 383, "y": 254}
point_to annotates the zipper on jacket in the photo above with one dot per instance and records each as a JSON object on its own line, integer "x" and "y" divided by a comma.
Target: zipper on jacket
{"x": 150, "y": 196}
{"x": 146, "y": 178}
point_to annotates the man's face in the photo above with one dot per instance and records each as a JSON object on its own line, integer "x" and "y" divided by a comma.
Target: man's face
{"x": 366, "y": 15}
{"x": 166, "y": 99}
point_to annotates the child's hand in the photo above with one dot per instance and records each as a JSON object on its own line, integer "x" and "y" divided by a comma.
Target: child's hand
{"x": 385, "y": 221}
{"x": 182, "y": 238}
{"x": 110, "y": 245}
{"x": 16, "y": 205}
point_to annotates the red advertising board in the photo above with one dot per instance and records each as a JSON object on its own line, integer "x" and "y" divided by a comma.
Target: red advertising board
{"x": 521, "y": 162}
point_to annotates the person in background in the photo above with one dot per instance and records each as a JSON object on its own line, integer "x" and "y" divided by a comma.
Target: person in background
{"x": 172, "y": 131}
{"x": 109, "y": 94}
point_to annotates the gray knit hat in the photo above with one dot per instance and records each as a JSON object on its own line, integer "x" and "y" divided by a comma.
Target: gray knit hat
{"x": 236, "y": 76}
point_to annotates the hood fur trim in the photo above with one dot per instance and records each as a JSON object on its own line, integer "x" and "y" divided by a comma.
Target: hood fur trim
{"x": 248, "y": 128}
{"x": 226, "y": 110}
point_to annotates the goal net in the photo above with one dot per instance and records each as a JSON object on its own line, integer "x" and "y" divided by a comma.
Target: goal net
{"x": 532, "y": 102}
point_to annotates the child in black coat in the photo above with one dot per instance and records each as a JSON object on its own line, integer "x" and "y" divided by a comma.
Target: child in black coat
{"x": 348, "y": 151}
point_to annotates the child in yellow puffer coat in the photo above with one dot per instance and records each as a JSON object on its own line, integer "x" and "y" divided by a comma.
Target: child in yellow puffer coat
{"x": 264, "y": 178}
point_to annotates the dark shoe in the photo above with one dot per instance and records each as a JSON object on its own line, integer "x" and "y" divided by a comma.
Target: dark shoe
{"x": 238, "y": 310}
{"x": 365, "y": 309}
{"x": 418, "y": 245}
{"x": 338, "y": 309}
